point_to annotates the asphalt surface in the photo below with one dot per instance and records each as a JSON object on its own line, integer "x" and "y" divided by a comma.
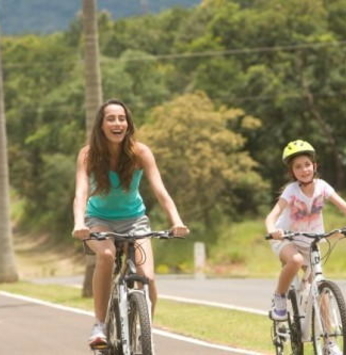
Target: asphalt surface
{"x": 29, "y": 328}
{"x": 251, "y": 293}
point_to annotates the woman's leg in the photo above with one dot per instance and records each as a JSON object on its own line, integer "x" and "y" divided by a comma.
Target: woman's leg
{"x": 145, "y": 266}
{"x": 102, "y": 278}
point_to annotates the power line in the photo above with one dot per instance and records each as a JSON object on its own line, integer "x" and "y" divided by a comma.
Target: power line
{"x": 151, "y": 57}
{"x": 238, "y": 51}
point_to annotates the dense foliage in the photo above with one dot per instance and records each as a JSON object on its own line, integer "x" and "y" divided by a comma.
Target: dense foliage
{"x": 216, "y": 90}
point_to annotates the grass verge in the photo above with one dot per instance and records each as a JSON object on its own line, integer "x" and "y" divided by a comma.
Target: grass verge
{"x": 226, "y": 327}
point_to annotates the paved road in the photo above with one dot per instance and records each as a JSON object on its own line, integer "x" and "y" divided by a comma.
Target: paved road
{"x": 250, "y": 293}
{"x": 253, "y": 293}
{"x": 28, "y": 328}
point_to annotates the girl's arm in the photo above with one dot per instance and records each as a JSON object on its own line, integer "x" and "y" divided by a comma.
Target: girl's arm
{"x": 148, "y": 163}
{"x": 338, "y": 201}
{"x": 80, "y": 230}
{"x": 273, "y": 216}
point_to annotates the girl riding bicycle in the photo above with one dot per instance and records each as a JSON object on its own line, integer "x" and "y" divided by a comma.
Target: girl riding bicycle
{"x": 107, "y": 198}
{"x": 299, "y": 208}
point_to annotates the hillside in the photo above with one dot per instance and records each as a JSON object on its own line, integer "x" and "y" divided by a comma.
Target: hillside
{"x": 42, "y": 17}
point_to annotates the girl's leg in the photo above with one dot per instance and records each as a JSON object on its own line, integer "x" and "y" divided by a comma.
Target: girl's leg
{"x": 292, "y": 261}
{"x": 145, "y": 266}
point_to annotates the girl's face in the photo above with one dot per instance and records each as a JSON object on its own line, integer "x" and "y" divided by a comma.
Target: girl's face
{"x": 303, "y": 168}
{"x": 114, "y": 124}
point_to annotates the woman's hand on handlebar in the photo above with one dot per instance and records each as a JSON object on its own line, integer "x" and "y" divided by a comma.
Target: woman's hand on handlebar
{"x": 81, "y": 232}
{"x": 180, "y": 230}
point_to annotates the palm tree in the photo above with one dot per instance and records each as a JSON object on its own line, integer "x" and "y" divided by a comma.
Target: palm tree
{"x": 93, "y": 88}
{"x": 93, "y": 97}
{"x": 8, "y": 270}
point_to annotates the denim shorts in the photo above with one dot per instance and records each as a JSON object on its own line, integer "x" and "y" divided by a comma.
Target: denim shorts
{"x": 137, "y": 224}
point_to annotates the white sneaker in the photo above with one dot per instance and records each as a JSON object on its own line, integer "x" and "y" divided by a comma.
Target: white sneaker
{"x": 279, "y": 308}
{"x": 331, "y": 348}
{"x": 98, "y": 336}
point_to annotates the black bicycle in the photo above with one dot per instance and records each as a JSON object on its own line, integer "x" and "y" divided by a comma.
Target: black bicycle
{"x": 128, "y": 320}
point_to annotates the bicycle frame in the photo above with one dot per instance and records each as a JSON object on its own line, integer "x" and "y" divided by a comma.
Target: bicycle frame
{"x": 305, "y": 306}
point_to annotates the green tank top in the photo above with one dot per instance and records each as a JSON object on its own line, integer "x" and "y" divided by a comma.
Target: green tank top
{"x": 118, "y": 203}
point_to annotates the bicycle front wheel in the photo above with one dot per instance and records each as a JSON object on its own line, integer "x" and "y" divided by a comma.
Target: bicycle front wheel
{"x": 329, "y": 319}
{"x": 140, "y": 325}
{"x": 113, "y": 326}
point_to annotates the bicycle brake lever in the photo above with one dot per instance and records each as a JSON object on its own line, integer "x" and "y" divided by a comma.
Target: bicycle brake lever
{"x": 97, "y": 235}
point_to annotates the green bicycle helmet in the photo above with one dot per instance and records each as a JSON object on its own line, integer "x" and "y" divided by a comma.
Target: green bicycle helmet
{"x": 295, "y": 148}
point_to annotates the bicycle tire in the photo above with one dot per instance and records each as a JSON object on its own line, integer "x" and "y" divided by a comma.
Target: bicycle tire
{"x": 333, "y": 329}
{"x": 297, "y": 345}
{"x": 113, "y": 326}
{"x": 139, "y": 325}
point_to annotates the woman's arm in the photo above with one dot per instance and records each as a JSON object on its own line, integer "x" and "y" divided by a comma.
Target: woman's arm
{"x": 273, "y": 216}
{"x": 80, "y": 230}
{"x": 148, "y": 163}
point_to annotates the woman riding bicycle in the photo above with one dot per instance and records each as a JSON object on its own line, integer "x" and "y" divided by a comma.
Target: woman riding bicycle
{"x": 108, "y": 175}
{"x": 299, "y": 208}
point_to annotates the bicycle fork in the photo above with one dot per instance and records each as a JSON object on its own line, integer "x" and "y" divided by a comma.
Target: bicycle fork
{"x": 124, "y": 312}
{"x": 124, "y": 320}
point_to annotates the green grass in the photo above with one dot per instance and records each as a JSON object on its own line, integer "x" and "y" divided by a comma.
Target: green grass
{"x": 220, "y": 326}
{"x": 227, "y": 327}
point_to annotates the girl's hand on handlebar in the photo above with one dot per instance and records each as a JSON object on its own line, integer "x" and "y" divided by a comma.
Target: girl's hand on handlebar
{"x": 81, "y": 232}
{"x": 180, "y": 230}
{"x": 277, "y": 234}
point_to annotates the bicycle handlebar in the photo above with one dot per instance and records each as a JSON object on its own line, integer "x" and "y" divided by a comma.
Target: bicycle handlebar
{"x": 125, "y": 237}
{"x": 317, "y": 236}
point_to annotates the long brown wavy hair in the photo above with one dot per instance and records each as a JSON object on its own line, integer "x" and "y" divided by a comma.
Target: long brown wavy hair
{"x": 98, "y": 158}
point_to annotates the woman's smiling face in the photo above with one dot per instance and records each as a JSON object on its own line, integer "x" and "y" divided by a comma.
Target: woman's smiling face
{"x": 114, "y": 124}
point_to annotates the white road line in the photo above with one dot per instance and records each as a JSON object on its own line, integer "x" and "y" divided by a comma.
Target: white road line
{"x": 156, "y": 331}
{"x": 214, "y": 304}
{"x": 45, "y": 303}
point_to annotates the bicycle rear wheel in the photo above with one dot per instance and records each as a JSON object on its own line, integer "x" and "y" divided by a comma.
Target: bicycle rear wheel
{"x": 329, "y": 319}
{"x": 140, "y": 325}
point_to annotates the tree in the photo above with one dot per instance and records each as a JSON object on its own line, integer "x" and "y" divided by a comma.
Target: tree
{"x": 201, "y": 154}
{"x": 8, "y": 270}
{"x": 93, "y": 89}
{"x": 93, "y": 97}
